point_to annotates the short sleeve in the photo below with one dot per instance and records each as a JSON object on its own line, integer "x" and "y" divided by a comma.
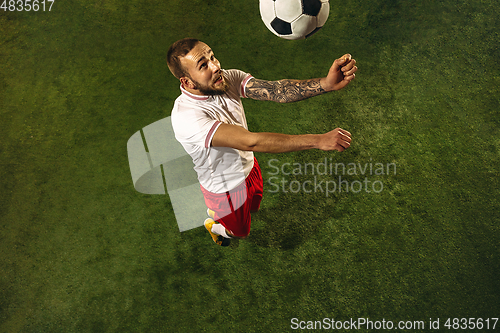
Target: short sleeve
{"x": 239, "y": 80}
{"x": 194, "y": 128}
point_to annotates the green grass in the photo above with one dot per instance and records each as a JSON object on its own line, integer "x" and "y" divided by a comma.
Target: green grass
{"x": 82, "y": 251}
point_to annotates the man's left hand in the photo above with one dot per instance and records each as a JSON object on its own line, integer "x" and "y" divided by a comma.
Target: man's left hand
{"x": 341, "y": 73}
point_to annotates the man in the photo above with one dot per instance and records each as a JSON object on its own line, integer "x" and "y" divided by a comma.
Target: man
{"x": 209, "y": 121}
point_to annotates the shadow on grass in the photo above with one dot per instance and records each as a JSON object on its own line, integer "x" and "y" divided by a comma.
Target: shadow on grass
{"x": 293, "y": 221}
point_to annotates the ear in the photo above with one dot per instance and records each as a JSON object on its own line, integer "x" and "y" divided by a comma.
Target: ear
{"x": 187, "y": 82}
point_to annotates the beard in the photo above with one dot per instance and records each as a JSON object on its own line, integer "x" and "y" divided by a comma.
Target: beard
{"x": 212, "y": 89}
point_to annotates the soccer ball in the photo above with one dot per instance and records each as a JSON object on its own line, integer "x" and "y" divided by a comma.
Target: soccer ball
{"x": 294, "y": 19}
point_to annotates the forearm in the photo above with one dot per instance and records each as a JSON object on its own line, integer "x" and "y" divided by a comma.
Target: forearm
{"x": 282, "y": 143}
{"x": 284, "y": 91}
{"x": 239, "y": 138}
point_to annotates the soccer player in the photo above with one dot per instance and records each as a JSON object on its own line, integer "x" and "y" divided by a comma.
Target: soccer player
{"x": 209, "y": 121}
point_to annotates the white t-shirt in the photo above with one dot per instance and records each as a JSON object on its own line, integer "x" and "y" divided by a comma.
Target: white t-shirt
{"x": 196, "y": 118}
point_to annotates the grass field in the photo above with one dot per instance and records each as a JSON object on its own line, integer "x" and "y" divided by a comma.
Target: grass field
{"x": 82, "y": 251}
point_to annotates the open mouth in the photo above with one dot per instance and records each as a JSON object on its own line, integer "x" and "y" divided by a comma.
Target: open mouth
{"x": 219, "y": 80}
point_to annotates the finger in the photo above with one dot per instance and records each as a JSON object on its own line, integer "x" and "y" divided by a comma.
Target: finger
{"x": 343, "y": 60}
{"x": 337, "y": 64}
{"x": 348, "y": 65}
{"x": 346, "y": 138}
{"x": 343, "y": 131}
{"x": 346, "y": 57}
{"x": 349, "y": 78}
{"x": 345, "y": 144}
{"x": 351, "y": 71}
{"x": 343, "y": 137}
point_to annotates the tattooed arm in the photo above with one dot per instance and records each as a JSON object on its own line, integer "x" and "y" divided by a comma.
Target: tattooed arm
{"x": 284, "y": 91}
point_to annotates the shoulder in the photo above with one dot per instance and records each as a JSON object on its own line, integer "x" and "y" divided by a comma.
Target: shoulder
{"x": 237, "y": 80}
{"x": 235, "y": 74}
{"x": 187, "y": 110}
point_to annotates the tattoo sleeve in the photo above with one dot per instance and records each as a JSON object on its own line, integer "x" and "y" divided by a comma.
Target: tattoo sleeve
{"x": 283, "y": 91}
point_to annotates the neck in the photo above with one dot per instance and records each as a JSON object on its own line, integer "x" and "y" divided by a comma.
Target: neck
{"x": 193, "y": 91}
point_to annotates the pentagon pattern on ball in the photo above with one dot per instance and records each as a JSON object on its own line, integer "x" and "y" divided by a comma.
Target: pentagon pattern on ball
{"x": 311, "y": 8}
{"x": 294, "y": 19}
{"x": 281, "y": 27}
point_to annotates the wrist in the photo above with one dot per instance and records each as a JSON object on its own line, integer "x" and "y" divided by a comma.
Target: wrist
{"x": 316, "y": 141}
{"x": 323, "y": 82}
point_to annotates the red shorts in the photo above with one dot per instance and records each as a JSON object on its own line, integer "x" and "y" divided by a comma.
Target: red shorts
{"x": 232, "y": 209}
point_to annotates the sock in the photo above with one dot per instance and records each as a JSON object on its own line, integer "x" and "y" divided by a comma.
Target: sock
{"x": 219, "y": 230}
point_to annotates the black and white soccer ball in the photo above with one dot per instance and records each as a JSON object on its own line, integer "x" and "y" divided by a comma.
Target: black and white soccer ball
{"x": 294, "y": 19}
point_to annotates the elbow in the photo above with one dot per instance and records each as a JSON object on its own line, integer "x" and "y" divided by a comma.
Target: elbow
{"x": 252, "y": 147}
{"x": 249, "y": 142}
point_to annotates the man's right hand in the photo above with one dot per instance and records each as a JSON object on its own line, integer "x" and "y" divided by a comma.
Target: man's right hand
{"x": 338, "y": 139}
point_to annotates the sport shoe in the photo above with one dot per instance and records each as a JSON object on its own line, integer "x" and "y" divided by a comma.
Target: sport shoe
{"x": 218, "y": 239}
{"x": 210, "y": 213}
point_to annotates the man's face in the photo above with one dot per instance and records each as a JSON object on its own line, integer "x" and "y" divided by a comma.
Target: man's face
{"x": 205, "y": 74}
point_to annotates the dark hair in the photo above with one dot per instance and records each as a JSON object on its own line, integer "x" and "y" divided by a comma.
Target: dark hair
{"x": 179, "y": 50}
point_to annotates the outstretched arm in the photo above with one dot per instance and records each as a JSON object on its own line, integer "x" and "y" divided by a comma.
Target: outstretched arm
{"x": 284, "y": 91}
{"x": 239, "y": 138}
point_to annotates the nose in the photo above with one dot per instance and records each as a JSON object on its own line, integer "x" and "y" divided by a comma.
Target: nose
{"x": 215, "y": 65}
